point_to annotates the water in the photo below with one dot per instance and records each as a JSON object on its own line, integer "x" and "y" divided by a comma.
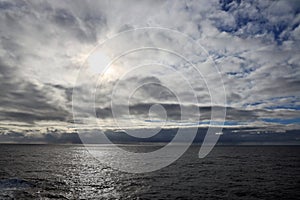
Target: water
{"x": 228, "y": 172}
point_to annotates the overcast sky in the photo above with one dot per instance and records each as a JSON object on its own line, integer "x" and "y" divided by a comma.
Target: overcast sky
{"x": 44, "y": 44}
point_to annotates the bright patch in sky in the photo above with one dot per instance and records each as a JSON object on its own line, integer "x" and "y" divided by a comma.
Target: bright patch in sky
{"x": 255, "y": 45}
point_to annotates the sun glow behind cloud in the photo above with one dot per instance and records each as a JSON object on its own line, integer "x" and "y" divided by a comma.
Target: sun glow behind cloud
{"x": 255, "y": 44}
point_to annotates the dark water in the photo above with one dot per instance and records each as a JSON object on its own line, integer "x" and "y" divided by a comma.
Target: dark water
{"x": 68, "y": 172}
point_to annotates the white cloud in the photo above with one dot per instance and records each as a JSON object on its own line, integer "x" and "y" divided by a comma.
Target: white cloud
{"x": 255, "y": 44}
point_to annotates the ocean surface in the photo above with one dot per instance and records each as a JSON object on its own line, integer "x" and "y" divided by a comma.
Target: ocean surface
{"x": 228, "y": 172}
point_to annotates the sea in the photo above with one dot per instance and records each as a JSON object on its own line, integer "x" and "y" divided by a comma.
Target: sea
{"x": 228, "y": 172}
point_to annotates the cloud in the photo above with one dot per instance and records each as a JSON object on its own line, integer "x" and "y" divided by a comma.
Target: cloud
{"x": 25, "y": 101}
{"x": 255, "y": 44}
{"x": 49, "y": 138}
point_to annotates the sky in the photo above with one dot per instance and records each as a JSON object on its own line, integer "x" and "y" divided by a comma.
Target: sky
{"x": 46, "y": 44}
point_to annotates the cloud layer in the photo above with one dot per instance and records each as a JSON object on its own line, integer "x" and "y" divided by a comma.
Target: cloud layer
{"x": 255, "y": 45}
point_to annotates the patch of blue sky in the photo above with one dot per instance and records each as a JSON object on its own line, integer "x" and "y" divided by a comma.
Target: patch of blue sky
{"x": 290, "y": 105}
{"x": 283, "y": 121}
{"x": 259, "y": 23}
{"x": 293, "y": 107}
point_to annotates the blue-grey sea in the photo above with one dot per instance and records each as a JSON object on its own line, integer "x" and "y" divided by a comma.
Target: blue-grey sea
{"x": 228, "y": 172}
